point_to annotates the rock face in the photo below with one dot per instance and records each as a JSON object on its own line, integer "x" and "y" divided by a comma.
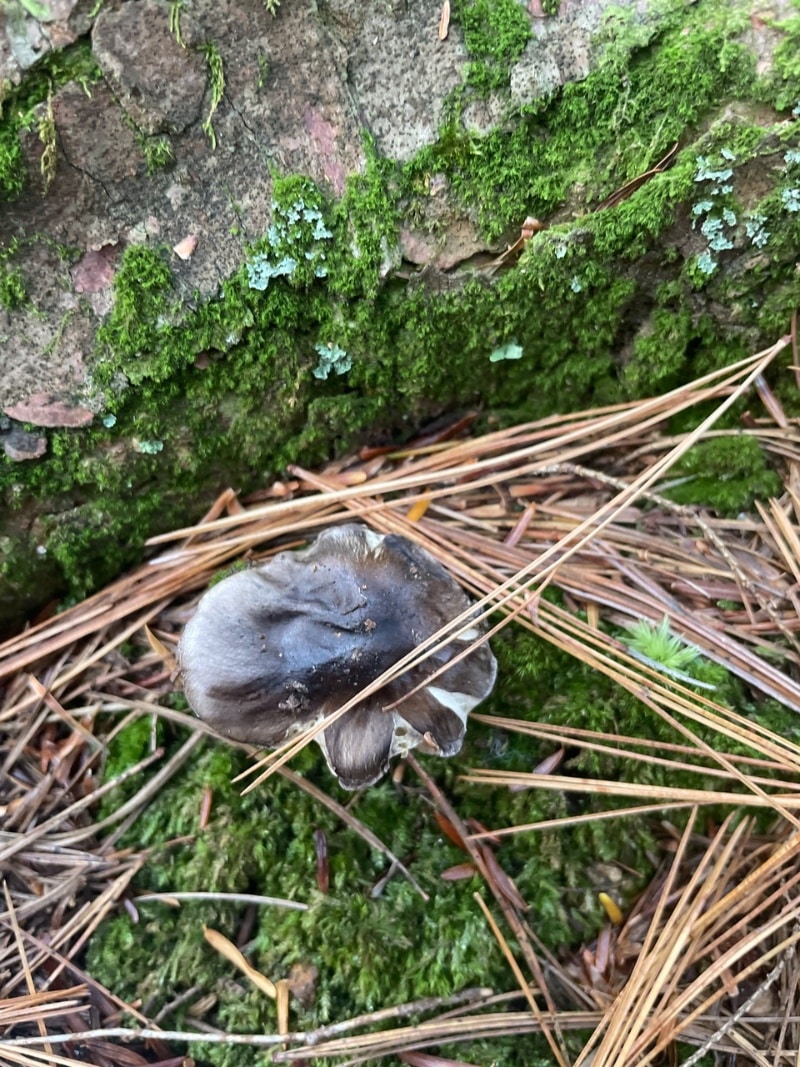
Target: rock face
{"x": 146, "y": 184}
{"x": 27, "y": 38}
{"x": 300, "y": 89}
{"x": 158, "y": 80}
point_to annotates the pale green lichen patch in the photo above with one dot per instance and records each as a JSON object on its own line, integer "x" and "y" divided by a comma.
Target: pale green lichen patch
{"x": 297, "y": 243}
{"x": 507, "y": 351}
{"x": 331, "y": 358}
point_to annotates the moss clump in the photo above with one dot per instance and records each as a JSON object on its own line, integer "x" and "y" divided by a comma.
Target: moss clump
{"x": 658, "y": 359}
{"x": 134, "y": 331}
{"x": 225, "y": 393}
{"x": 602, "y": 131}
{"x": 495, "y": 34}
{"x": 216, "y": 81}
{"x": 230, "y": 386}
{"x": 783, "y": 84}
{"x": 12, "y": 169}
{"x": 157, "y": 152}
{"x": 727, "y": 474}
{"x": 366, "y": 221}
{"x": 396, "y": 948}
{"x": 13, "y": 292}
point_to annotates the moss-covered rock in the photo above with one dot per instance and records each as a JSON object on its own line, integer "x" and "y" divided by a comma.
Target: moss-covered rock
{"x": 218, "y": 369}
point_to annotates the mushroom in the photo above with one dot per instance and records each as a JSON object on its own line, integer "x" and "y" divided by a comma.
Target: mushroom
{"x": 273, "y": 650}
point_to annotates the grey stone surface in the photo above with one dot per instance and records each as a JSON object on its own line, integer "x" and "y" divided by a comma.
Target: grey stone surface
{"x": 160, "y": 86}
{"x": 20, "y": 445}
{"x": 397, "y": 68}
{"x": 300, "y": 89}
{"x": 559, "y": 52}
{"x": 42, "y": 409}
{"x": 25, "y": 39}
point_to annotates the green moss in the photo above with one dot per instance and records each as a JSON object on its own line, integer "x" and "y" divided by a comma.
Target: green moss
{"x": 409, "y": 349}
{"x": 495, "y": 34}
{"x": 227, "y": 388}
{"x": 255, "y": 404}
{"x": 92, "y": 542}
{"x": 12, "y": 169}
{"x": 73, "y": 63}
{"x": 13, "y": 292}
{"x": 396, "y": 946}
{"x": 174, "y": 20}
{"x": 128, "y": 746}
{"x": 659, "y": 351}
{"x": 157, "y": 152}
{"x": 659, "y": 644}
{"x": 600, "y": 132}
{"x": 783, "y": 83}
{"x": 727, "y": 474}
{"x": 46, "y": 129}
{"x": 133, "y": 335}
{"x": 366, "y": 221}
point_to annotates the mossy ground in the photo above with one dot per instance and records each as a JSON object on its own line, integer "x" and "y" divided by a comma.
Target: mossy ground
{"x": 373, "y": 951}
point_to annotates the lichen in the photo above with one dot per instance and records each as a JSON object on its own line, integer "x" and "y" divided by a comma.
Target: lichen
{"x": 331, "y": 358}
{"x": 297, "y": 242}
{"x": 511, "y": 350}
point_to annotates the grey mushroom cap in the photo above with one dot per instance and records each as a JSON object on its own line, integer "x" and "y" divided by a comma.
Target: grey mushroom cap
{"x": 272, "y": 650}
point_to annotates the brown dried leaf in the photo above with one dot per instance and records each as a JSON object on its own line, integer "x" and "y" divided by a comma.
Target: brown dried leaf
{"x": 458, "y": 872}
{"x": 449, "y": 830}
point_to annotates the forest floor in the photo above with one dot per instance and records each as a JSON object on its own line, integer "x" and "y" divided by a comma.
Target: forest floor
{"x": 610, "y": 866}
